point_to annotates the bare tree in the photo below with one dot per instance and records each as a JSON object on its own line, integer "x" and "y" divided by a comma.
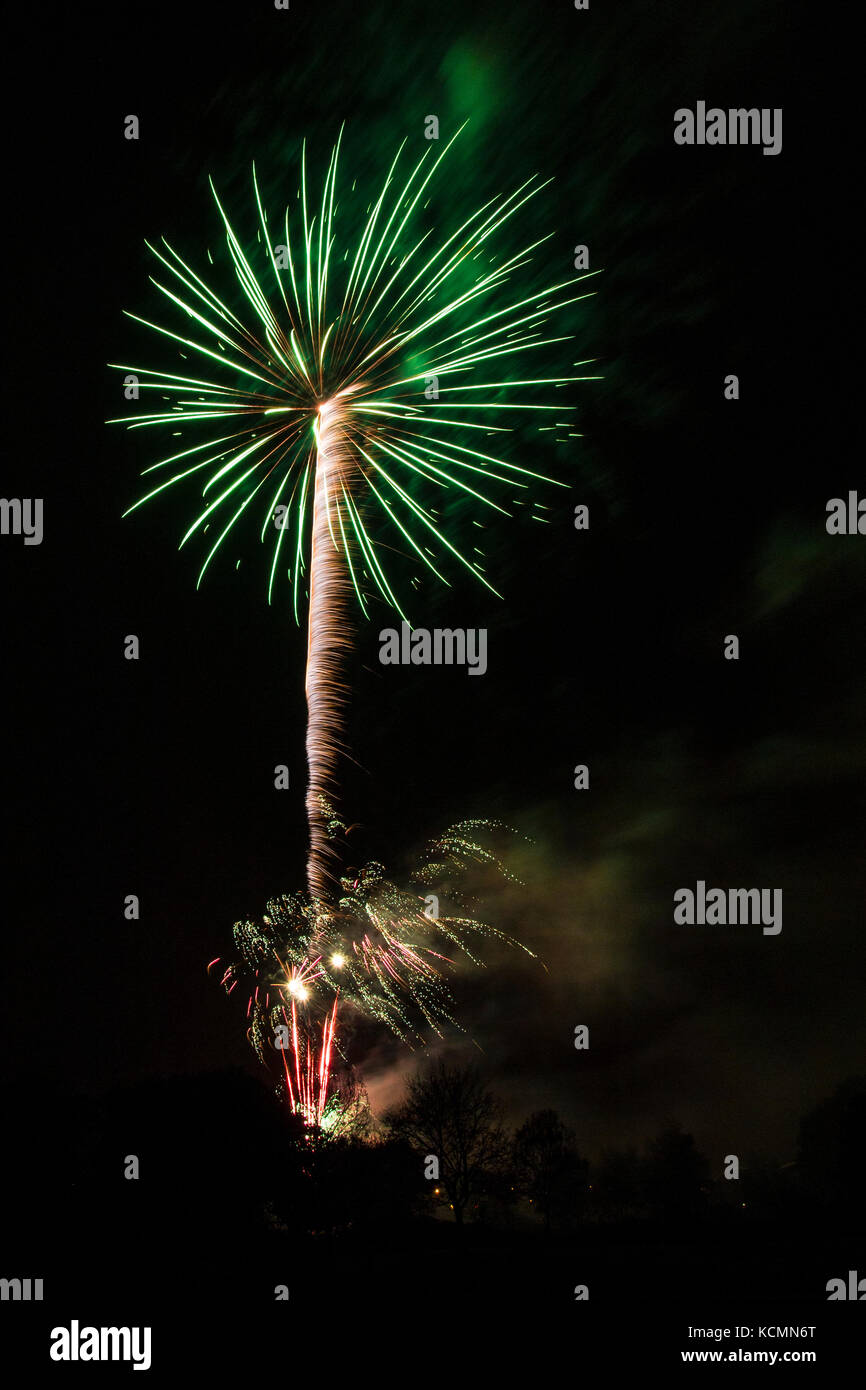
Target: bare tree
{"x": 548, "y": 1170}
{"x": 675, "y": 1175}
{"x": 449, "y": 1114}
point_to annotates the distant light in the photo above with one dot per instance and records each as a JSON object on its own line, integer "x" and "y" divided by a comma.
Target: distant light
{"x": 298, "y": 989}
{"x": 338, "y": 961}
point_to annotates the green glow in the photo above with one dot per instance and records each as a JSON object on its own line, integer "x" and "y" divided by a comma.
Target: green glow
{"x": 406, "y": 306}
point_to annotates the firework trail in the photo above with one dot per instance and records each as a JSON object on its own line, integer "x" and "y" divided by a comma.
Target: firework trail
{"x": 378, "y": 948}
{"x": 329, "y": 639}
{"x": 309, "y": 1090}
{"x": 345, "y": 389}
{"x": 333, "y": 412}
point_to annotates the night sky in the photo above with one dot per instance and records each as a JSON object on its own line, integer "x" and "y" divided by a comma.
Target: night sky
{"x": 706, "y": 518}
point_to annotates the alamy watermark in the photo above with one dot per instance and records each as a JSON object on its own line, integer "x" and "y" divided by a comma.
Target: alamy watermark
{"x": 76, "y": 1343}
{"x": 729, "y": 907}
{"x": 736, "y": 126}
{"x": 443, "y": 646}
{"x": 22, "y": 516}
{"x": 21, "y": 1290}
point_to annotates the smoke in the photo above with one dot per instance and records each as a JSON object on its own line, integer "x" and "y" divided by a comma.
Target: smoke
{"x": 731, "y": 1033}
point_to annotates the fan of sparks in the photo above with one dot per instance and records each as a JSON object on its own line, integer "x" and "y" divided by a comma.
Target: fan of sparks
{"x": 380, "y": 949}
{"x": 401, "y": 343}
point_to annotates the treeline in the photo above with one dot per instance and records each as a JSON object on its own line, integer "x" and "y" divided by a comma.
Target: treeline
{"x": 216, "y": 1158}
{"x": 486, "y": 1173}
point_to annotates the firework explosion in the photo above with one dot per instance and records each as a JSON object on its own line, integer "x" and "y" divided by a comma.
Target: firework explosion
{"x": 344, "y": 398}
{"x": 380, "y": 948}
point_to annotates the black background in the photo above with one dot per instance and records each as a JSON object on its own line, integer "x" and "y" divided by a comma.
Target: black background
{"x": 707, "y": 517}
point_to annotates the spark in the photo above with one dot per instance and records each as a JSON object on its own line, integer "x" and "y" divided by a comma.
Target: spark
{"x": 376, "y": 948}
{"x": 336, "y": 395}
{"x": 323, "y": 404}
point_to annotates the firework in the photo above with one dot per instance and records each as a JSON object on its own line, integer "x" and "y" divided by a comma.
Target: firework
{"x": 379, "y": 947}
{"x": 343, "y": 398}
{"x": 349, "y": 388}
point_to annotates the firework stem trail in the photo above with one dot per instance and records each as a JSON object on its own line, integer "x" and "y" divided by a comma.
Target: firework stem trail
{"x": 351, "y": 400}
{"x": 329, "y": 639}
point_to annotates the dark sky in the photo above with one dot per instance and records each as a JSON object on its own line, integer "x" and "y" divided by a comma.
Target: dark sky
{"x": 707, "y": 518}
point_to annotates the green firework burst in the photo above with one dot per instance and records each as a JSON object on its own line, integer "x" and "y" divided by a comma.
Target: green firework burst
{"x": 416, "y": 341}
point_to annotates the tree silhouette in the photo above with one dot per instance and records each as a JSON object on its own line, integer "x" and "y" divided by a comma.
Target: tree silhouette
{"x": 548, "y": 1169}
{"x": 618, "y": 1185}
{"x": 450, "y": 1115}
{"x": 832, "y": 1150}
{"x": 675, "y": 1175}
